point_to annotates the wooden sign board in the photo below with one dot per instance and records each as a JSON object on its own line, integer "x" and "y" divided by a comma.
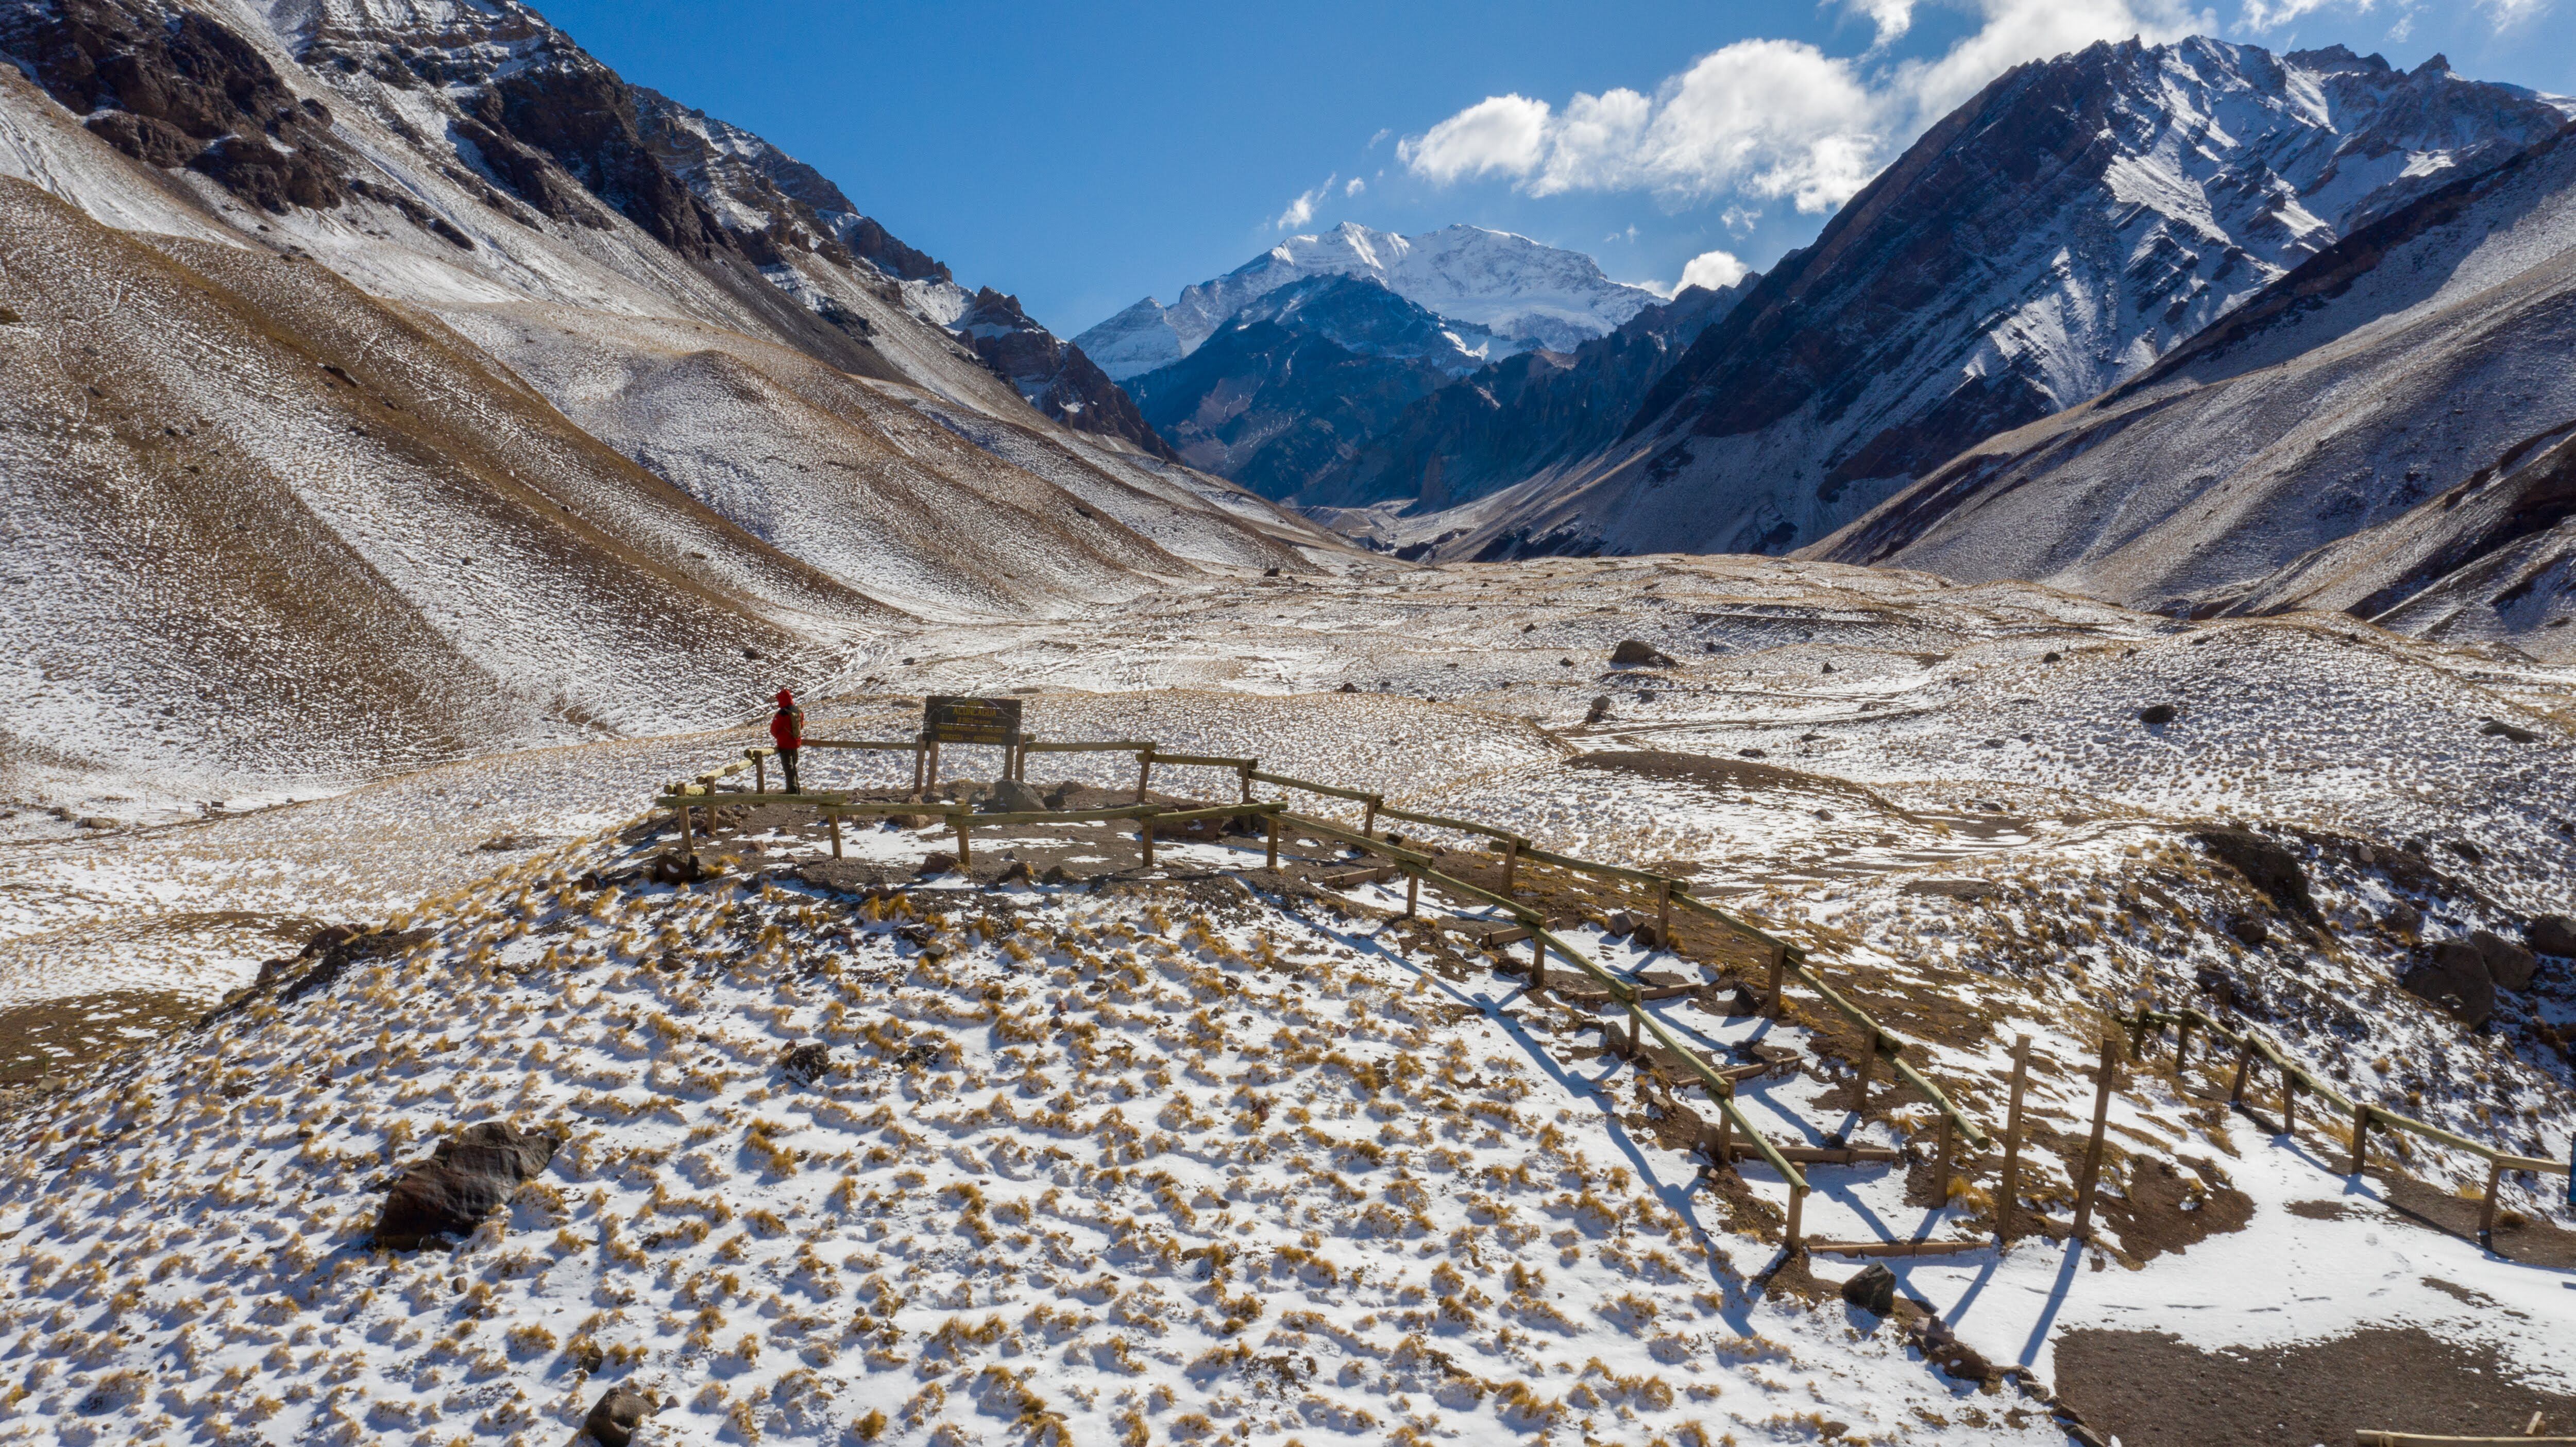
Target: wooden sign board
{"x": 948, "y": 719}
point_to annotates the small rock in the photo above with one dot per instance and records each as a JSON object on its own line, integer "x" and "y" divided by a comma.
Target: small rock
{"x": 1829, "y": 668}
{"x": 1751, "y": 754}
{"x": 1016, "y": 873}
{"x": 2050, "y": 657}
{"x": 1010, "y": 796}
{"x": 2551, "y": 934}
{"x": 907, "y": 822}
{"x": 2404, "y": 918}
{"x": 2158, "y": 713}
{"x": 1636, "y": 653}
{"x": 1873, "y": 1291}
{"x": 806, "y": 1063}
{"x": 2498, "y": 729}
{"x": 672, "y": 869}
{"x": 1270, "y": 572}
{"x": 614, "y": 1418}
{"x": 2249, "y": 931}
{"x": 1348, "y": 688}
{"x": 1055, "y": 874}
{"x": 469, "y": 1175}
{"x": 1600, "y": 710}
{"x": 2464, "y": 849}
{"x": 939, "y": 861}
{"x": 2508, "y": 964}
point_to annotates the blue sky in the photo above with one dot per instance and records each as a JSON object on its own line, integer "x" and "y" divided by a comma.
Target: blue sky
{"x": 1084, "y": 156}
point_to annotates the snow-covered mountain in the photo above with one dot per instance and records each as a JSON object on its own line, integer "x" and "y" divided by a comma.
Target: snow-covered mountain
{"x": 390, "y": 381}
{"x": 1523, "y": 293}
{"x": 2385, "y": 431}
{"x": 2057, "y": 234}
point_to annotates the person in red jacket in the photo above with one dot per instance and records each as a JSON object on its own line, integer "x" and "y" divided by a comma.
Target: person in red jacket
{"x": 787, "y": 730}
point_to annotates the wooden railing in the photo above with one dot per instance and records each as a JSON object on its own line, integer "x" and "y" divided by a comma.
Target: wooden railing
{"x": 2363, "y": 1115}
{"x": 1787, "y": 961}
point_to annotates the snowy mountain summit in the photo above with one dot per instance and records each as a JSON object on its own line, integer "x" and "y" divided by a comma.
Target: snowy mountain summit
{"x": 1527, "y": 294}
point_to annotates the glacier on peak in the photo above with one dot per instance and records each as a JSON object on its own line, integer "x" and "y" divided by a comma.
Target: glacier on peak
{"x": 1527, "y": 293}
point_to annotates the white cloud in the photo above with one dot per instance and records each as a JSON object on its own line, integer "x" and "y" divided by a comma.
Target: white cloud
{"x": 1302, "y": 209}
{"x": 1890, "y": 18}
{"x": 2271, "y": 15}
{"x": 1714, "y": 269}
{"x": 1505, "y": 133}
{"x": 1355, "y": 187}
{"x": 2503, "y": 13}
{"x": 1766, "y": 119}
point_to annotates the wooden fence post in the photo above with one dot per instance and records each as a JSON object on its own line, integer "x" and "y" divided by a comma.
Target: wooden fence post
{"x": 1246, "y": 772}
{"x": 965, "y": 845}
{"x": 2487, "y": 1212}
{"x": 1271, "y": 858}
{"x": 919, "y": 744}
{"x": 688, "y": 845}
{"x": 759, "y": 773}
{"x": 2289, "y": 1102}
{"x": 1412, "y": 893}
{"x": 2008, "y": 1191}
{"x": 2244, "y": 1063}
{"x": 1779, "y": 973}
{"x": 1370, "y": 827}
{"x": 833, "y": 817}
{"x": 1538, "y": 961}
{"x": 2182, "y": 1046}
{"x": 1797, "y": 1209}
{"x": 933, "y": 782}
{"x": 1726, "y": 1131}
{"x": 1145, "y": 838}
{"x": 1664, "y": 914}
{"x": 1868, "y": 1064}
{"x": 1511, "y": 864}
{"x": 2105, "y": 1078}
{"x": 1941, "y": 1166}
{"x": 1144, "y": 773}
{"x": 2360, "y": 1139}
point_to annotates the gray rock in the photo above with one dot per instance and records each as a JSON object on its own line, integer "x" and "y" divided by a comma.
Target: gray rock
{"x": 2249, "y": 931}
{"x": 2551, "y": 934}
{"x": 616, "y": 1415}
{"x": 2456, "y": 980}
{"x": 2267, "y": 865}
{"x": 2404, "y": 918}
{"x": 1873, "y": 1291}
{"x": 2508, "y": 964}
{"x": 806, "y": 1063}
{"x": 468, "y": 1176}
{"x": 1600, "y": 710}
{"x": 1010, "y": 796}
{"x": 1636, "y": 653}
{"x": 2158, "y": 713}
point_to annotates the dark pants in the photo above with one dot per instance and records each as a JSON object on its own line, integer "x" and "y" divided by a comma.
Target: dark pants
{"x": 787, "y": 761}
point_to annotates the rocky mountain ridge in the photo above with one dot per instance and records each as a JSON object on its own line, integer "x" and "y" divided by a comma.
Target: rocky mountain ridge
{"x": 2054, "y": 236}
{"x": 1519, "y": 293}
{"x": 2384, "y": 431}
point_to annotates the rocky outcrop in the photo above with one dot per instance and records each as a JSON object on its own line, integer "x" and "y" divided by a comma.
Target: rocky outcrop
{"x": 1052, "y": 374}
{"x": 470, "y": 1174}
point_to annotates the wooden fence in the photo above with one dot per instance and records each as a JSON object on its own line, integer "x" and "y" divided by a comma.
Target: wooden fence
{"x": 1787, "y": 962}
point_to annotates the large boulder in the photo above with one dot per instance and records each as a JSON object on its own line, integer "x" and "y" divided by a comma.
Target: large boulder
{"x": 2266, "y": 864}
{"x": 2508, "y": 964}
{"x": 615, "y": 1416}
{"x": 470, "y": 1174}
{"x": 2551, "y": 934}
{"x": 1873, "y": 1291}
{"x": 2456, "y": 979}
{"x": 1637, "y": 653}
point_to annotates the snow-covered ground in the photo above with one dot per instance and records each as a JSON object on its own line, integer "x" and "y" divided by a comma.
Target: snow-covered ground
{"x": 1455, "y": 1216}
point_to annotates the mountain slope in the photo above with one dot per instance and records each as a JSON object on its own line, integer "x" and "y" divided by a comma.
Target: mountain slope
{"x": 562, "y": 409}
{"x": 2382, "y": 431}
{"x": 2051, "y": 238}
{"x": 1521, "y": 415}
{"x": 1526, "y": 294}
{"x": 1291, "y": 387}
